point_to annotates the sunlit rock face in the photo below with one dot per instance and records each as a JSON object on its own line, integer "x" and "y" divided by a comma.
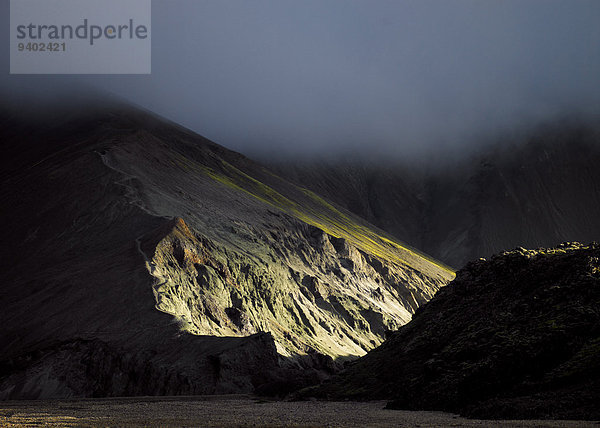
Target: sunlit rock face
{"x": 141, "y": 248}
{"x": 515, "y": 336}
{"x": 337, "y": 302}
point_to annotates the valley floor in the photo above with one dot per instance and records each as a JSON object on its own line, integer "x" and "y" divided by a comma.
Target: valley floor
{"x": 238, "y": 410}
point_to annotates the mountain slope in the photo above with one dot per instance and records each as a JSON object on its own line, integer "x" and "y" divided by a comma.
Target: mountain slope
{"x": 516, "y": 336}
{"x": 136, "y": 246}
{"x": 532, "y": 190}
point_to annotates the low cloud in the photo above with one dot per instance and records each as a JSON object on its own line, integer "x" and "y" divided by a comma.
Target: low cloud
{"x": 389, "y": 78}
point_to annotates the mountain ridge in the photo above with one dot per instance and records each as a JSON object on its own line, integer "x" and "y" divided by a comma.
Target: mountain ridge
{"x": 134, "y": 243}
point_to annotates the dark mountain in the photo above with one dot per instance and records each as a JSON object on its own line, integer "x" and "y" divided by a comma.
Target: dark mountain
{"x": 531, "y": 190}
{"x": 516, "y": 336}
{"x": 139, "y": 258}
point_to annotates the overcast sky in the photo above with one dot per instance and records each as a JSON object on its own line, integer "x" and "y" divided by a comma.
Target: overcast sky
{"x": 374, "y": 76}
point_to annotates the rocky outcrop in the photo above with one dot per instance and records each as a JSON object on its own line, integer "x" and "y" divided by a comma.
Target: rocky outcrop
{"x": 516, "y": 336}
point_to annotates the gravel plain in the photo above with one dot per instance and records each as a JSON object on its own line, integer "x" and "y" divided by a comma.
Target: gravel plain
{"x": 236, "y": 410}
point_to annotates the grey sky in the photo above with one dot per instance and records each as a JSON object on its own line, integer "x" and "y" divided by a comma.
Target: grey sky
{"x": 377, "y": 76}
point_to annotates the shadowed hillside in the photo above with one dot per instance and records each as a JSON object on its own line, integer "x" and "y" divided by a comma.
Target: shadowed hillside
{"x": 531, "y": 190}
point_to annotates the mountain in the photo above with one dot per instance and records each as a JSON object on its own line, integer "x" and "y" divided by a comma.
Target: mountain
{"x": 531, "y": 189}
{"x": 516, "y": 336}
{"x": 139, "y": 258}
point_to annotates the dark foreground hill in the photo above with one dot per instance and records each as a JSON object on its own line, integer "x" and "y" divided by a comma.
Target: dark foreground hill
{"x": 139, "y": 258}
{"x": 516, "y": 336}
